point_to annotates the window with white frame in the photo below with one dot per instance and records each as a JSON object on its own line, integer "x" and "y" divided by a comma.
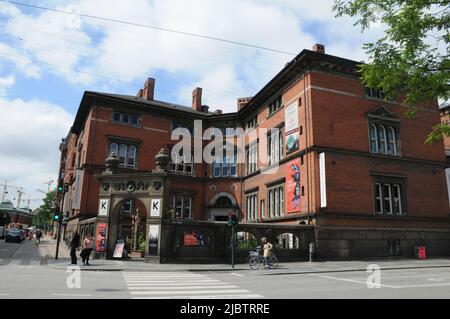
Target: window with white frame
{"x": 251, "y": 123}
{"x": 126, "y": 118}
{"x": 226, "y": 168}
{"x": 275, "y": 146}
{"x": 375, "y": 93}
{"x": 275, "y": 195}
{"x": 383, "y": 138}
{"x": 182, "y": 206}
{"x": 388, "y": 197}
{"x": 252, "y": 158}
{"x": 125, "y": 152}
{"x": 251, "y": 206}
{"x": 275, "y": 105}
{"x": 179, "y": 164}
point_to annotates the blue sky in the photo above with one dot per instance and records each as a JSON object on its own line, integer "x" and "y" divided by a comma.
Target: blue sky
{"x": 48, "y": 59}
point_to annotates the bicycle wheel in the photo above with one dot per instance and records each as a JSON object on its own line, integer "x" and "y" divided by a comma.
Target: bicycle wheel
{"x": 272, "y": 260}
{"x": 254, "y": 262}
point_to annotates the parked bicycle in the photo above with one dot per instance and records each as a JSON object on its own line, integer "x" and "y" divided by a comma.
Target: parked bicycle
{"x": 255, "y": 259}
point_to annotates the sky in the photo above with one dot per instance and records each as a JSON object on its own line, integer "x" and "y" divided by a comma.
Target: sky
{"x": 48, "y": 59}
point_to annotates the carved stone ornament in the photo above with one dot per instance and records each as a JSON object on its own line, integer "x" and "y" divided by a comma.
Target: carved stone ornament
{"x": 162, "y": 161}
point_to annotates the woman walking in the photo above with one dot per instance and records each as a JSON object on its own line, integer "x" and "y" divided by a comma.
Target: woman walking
{"x": 88, "y": 245}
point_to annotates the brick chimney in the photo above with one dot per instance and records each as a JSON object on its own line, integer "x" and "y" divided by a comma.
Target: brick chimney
{"x": 319, "y": 48}
{"x": 197, "y": 99}
{"x": 149, "y": 89}
{"x": 242, "y": 101}
{"x": 140, "y": 93}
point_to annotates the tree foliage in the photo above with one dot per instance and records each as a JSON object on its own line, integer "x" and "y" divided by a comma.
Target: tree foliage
{"x": 412, "y": 58}
{"x": 46, "y": 210}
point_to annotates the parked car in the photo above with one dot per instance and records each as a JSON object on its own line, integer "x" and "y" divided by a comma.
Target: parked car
{"x": 14, "y": 235}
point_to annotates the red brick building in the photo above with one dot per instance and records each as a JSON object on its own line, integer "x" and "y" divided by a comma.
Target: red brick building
{"x": 342, "y": 158}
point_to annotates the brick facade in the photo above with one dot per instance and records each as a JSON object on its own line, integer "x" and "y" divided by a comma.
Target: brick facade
{"x": 334, "y": 117}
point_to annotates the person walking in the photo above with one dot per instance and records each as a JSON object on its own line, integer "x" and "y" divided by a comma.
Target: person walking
{"x": 267, "y": 247}
{"x": 38, "y": 236}
{"x": 88, "y": 245}
{"x": 74, "y": 244}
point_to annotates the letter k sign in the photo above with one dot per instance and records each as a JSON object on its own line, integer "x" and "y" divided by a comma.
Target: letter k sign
{"x": 103, "y": 207}
{"x": 156, "y": 208}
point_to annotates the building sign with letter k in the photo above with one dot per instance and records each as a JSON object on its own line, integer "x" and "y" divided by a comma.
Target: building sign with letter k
{"x": 156, "y": 208}
{"x": 103, "y": 208}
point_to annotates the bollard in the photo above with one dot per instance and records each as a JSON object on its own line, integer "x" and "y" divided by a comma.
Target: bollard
{"x": 311, "y": 251}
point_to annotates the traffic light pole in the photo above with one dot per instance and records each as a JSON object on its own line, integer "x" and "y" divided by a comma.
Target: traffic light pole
{"x": 59, "y": 238}
{"x": 232, "y": 246}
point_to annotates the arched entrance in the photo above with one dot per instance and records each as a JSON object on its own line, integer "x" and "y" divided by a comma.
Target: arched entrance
{"x": 220, "y": 205}
{"x": 128, "y": 225}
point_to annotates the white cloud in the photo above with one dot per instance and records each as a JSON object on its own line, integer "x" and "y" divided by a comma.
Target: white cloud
{"x": 30, "y": 133}
{"x": 6, "y": 82}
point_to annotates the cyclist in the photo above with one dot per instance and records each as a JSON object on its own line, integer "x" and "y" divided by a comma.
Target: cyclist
{"x": 267, "y": 247}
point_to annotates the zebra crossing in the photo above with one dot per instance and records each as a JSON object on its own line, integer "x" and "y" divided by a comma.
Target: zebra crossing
{"x": 181, "y": 285}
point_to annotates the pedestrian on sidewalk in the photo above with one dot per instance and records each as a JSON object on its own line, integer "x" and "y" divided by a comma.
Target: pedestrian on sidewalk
{"x": 88, "y": 245}
{"x": 267, "y": 247}
{"x": 38, "y": 236}
{"x": 74, "y": 244}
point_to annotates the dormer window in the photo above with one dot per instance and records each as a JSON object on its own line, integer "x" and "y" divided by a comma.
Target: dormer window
{"x": 384, "y": 137}
{"x": 375, "y": 93}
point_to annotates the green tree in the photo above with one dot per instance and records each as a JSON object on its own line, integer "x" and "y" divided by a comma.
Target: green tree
{"x": 412, "y": 58}
{"x": 44, "y": 217}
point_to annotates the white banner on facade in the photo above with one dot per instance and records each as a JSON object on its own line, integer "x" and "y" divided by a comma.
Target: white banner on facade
{"x": 323, "y": 185}
{"x": 155, "y": 209}
{"x": 79, "y": 174}
{"x": 103, "y": 207}
{"x": 447, "y": 175}
{"x": 291, "y": 125}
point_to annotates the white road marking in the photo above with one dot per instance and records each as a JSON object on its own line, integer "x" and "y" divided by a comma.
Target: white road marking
{"x": 245, "y": 296}
{"x": 5, "y": 294}
{"x": 157, "y": 284}
{"x": 73, "y": 295}
{"x": 346, "y": 279}
{"x": 176, "y": 292}
{"x": 183, "y": 287}
{"x": 236, "y": 274}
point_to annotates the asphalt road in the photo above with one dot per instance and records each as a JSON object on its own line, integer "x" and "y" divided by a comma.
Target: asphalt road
{"x": 24, "y": 275}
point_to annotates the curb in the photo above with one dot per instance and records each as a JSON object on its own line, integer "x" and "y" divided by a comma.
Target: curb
{"x": 279, "y": 273}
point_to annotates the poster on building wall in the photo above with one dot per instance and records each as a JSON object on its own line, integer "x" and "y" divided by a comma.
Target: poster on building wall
{"x": 100, "y": 240}
{"x": 153, "y": 240}
{"x": 77, "y": 191}
{"x": 447, "y": 174}
{"x": 195, "y": 239}
{"x": 293, "y": 192}
{"x": 291, "y": 125}
{"x": 322, "y": 180}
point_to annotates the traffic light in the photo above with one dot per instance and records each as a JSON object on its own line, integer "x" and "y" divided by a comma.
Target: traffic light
{"x": 66, "y": 187}
{"x": 60, "y": 187}
{"x": 57, "y": 215}
{"x": 232, "y": 219}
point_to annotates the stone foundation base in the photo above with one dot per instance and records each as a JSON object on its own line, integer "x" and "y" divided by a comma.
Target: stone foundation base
{"x": 346, "y": 243}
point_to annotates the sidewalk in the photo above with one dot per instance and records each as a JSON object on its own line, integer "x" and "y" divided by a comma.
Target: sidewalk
{"x": 47, "y": 249}
{"x": 48, "y": 246}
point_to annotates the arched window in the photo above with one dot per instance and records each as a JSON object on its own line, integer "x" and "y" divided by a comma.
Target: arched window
{"x": 382, "y": 139}
{"x": 122, "y": 153}
{"x": 113, "y": 148}
{"x": 131, "y": 159}
{"x": 373, "y": 139}
{"x": 392, "y": 147}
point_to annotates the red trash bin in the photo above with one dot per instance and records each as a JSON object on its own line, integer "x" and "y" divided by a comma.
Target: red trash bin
{"x": 421, "y": 252}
